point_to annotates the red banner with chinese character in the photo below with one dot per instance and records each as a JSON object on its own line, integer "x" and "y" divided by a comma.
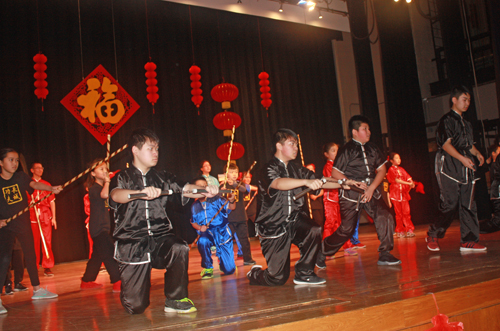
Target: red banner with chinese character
{"x": 100, "y": 104}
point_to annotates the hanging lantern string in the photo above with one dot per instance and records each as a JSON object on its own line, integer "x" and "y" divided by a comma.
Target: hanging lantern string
{"x": 38, "y": 27}
{"x": 260, "y": 44}
{"x": 220, "y": 48}
{"x": 147, "y": 28}
{"x": 81, "y": 46}
{"x": 191, "y": 28}
{"x": 114, "y": 38}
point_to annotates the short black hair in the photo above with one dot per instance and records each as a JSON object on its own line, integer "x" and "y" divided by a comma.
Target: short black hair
{"x": 356, "y": 121}
{"x": 6, "y": 150}
{"x": 457, "y": 91}
{"x": 197, "y": 179}
{"x": 281, "y": 136}
{"x": 139, "y": 138}
{"x": 492, "y": 148}
{"x": 33, "y": 164}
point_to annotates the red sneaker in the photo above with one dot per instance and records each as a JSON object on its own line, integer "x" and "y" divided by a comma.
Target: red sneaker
{"x": 432, "y": 244}
{"x": 471, "y": 246}
{"x": 89, "y": 285}
{"x": 117, "y": 287}
{"x": 359, "y": 245}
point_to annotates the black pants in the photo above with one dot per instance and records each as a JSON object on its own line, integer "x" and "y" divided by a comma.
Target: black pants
{"x": 454, "y": 195}
{"x": 304, "y": 234}
{"x": 17, "y": 265}
{"x": 377, "y": 210}
{"x": 102, "y": 251}
{"x": 171, "y": 253}
{"x": 241, "y": 230}
{"x": 493, "y": 224}
{"x": 7, "y": 240}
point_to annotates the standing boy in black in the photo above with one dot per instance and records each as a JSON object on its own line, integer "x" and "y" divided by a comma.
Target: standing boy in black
{"x": 281, "y": 220}
{"x": 361, "y": 163}
{"x": 455, "y": 175}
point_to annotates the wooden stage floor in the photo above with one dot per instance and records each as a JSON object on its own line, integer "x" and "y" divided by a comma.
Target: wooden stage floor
{"x": 359, "y": 295}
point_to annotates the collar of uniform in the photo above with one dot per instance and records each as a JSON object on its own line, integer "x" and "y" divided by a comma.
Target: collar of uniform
{"x": 453, "y": 111}
{"x": 280, "y": 161}
{"x": 357, "y": 142}
{"x": 139, "y": 171}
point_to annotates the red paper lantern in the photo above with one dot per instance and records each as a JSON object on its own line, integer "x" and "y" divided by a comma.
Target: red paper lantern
{"x": 264, "y": 89}
{"x": 226, "y": 120}
{"x": 195, "y": 85}
{"x": 224, "y": 93}
{"x": 151, "y": 82}
{"x": 236, "y": 153}
{"x": 41, "y": 84}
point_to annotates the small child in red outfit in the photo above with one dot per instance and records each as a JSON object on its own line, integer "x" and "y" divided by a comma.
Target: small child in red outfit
{"x": 400, "y": 185}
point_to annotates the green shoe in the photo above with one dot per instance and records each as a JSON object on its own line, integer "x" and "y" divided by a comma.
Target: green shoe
{"x": 207, "y": 273}
{"x": 182, "y": 306}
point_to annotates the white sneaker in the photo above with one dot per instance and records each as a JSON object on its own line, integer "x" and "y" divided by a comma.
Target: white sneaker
{"x": 2, "y": 309}
{"x": 43, "y": 293}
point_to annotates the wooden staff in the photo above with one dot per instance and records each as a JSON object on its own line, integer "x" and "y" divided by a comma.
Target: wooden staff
{"x": 229, "y": 155}
{"x": 303, "y": 164}
{"x": 108, "y": 150}
{"x": 40, "y": 228}
{"x": 68, "y": 182}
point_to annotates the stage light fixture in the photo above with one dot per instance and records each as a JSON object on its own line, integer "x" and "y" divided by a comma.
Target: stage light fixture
{"x": 396, "y": 0}
{"x": 239, "y": 1}
{"x": 408, "y": 1}
{"x": 281, "y": 7}
{"x": 320, "y": 16}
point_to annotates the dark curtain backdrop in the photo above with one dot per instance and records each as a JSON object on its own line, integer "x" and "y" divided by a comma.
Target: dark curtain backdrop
{"x": 298, "y": 58}
{"x": 405, "y": 115}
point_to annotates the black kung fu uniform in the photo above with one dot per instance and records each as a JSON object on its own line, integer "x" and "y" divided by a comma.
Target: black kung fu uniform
{"x": 456, "y": 182}
{"x": 360, "y": 162}
{"x": 145, "y": 240}
{"x": 281, "y": 222}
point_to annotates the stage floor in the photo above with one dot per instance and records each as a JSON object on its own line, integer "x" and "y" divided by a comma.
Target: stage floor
{"x": 230, "y": 303}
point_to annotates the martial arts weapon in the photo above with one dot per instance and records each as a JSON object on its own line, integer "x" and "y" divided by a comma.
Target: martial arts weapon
{"x": 170, "y": 192}
{"x": 337, "y": 186}
{"x": 303, "y": 164}
{"x": 40, "y": 228}
{"x": 250, "y": 202}
{"x": 68, "y": 182}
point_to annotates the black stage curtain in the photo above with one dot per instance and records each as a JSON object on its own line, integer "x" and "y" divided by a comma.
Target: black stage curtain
{"x": 298, "y": 58}
{"x": 405, "y": 115}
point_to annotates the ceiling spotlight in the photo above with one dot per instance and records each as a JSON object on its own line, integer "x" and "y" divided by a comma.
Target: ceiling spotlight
{"x": 408, "y": 1}
{"x": 396, "y": 0}
{"x": 281, "y": 7}
{"x": 311, "y": 5}
{"x": 239, "y": 1}
{"x": 320, "y": 16}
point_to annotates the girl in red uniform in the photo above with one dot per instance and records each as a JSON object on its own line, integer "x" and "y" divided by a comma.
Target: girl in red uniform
{"x": 400, "y": 185}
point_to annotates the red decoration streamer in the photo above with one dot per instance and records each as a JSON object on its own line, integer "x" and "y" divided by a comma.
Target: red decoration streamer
{"x": 195, "y": 85}
{"x": 151, "y": 82}
{"x": 41, "y": 84}
{"x": 264, "y": 89}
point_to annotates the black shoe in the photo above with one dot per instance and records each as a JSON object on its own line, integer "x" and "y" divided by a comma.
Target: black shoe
{"x": 487, "y": 227}
{"x": 251, "y": 262}
{"x": 182, "y": 306}
{"x": 387, "y": 258}
{"x": 20, "y": 287}
{"x": 8, "y": 289}
{"x": 321, "y": 265}
{"x": 309, "y": 280}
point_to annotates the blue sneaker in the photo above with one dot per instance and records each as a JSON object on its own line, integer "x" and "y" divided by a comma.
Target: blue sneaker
{"x": 43, "y": 293}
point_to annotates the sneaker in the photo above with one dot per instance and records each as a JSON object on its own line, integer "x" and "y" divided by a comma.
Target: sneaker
{"x": 182, "y": 306}
{"x": 321, "y": 265}
{"x": 43, "y": 293}
{"x": 20, "y": 288}
{"x": 410, "y": 234}
{"x": 8, "y": 289}
{"x": 387, "y": 258}
{"x": 89, "y": 285}
{"x": 432, "y": 244}
{"x": 251, "y": 262}
{"x": 254, "y": 267}
{"x": 309, "y": 280}
{"x": 239, "y": 257}
{"x": 2, "y": 309}
{"x": 207, "y": 273}
{"x": 350, "y": 252}
{"x": 471, "y": 246}
{"x": 401, "y": 235}
{"x": 47, "y": 272}
{"x": 117, "y": 287}
{"x": 358, "y": 245}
